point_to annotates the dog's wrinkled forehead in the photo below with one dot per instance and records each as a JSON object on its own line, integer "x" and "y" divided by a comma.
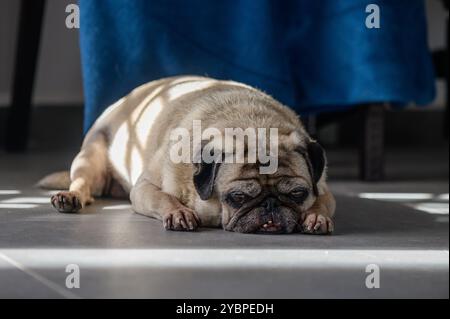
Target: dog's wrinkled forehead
{"x": 247, "y": 177}
{"x": 293, "y": 141}
{"x": 287, "y": 141}
{"x": 295, "y": 156}
{"x": 291, "y": 163}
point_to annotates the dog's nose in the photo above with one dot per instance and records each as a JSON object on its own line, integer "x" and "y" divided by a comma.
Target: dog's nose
{"x": 270, "y": 204}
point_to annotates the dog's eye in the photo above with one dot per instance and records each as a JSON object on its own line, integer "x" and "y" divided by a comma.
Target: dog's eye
{"x": 237, "y": 197}
{"x": 299, "y": 194}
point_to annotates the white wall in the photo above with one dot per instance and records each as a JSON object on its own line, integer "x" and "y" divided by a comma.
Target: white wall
{"x": 59, "y": 72}
{"x": 58, "y": 79}
{"x": 436, "y": 24}
{"x": 59, "y": 75}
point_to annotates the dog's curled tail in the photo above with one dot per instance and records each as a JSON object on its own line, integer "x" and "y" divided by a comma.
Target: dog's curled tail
{"x": 55, "y": 181}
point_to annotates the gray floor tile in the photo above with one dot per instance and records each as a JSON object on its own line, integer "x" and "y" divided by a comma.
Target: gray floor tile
{"x": 123, "y": 254}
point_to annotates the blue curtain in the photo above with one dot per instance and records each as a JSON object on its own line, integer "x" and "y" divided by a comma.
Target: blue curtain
{"x": 313, "y": 55}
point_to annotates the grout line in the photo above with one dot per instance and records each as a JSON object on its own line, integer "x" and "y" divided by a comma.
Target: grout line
{"x": 49, "y": 284}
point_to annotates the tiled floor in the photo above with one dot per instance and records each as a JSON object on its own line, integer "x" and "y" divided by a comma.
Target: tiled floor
{"x": 402, "y": 227}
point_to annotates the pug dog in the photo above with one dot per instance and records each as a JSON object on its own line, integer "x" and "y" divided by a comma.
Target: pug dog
{"x": 128, "y": 152}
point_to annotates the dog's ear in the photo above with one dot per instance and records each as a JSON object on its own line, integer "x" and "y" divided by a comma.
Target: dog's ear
{"x": 205, "y": 175}
{"x": 204, "y": 178}
{"x": 315, "y": 160}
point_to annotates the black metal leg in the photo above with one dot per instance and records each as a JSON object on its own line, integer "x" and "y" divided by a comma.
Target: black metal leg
{"x": 17, "y": 126}
{"x": 372, "y": 143}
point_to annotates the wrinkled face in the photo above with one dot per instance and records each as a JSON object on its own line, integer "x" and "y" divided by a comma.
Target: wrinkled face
{"x": 271, "y": 204}
{"x": 264, "y": 203}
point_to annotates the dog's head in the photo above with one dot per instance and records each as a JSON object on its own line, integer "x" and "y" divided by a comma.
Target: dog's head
{"x": 264, "y": 203}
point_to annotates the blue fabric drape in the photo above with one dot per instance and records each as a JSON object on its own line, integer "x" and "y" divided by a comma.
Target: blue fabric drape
{"x": 313, "y": 55}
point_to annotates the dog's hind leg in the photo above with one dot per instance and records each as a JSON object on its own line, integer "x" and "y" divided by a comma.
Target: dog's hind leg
{"x": 88, "y": 175}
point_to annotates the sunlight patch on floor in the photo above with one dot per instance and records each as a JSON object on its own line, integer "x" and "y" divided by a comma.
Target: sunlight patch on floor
{"x": 27, "y": 200}
{"x": 228, "y": 258}
{"x": 9, "y": 192}
{"x": 432, "y": 208}
{"x": 17, "y": 206}
{"x": 397, "y": 196}
{"x": 117, "y": 207}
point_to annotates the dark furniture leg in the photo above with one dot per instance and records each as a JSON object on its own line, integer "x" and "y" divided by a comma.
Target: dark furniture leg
{"x": 371, "y": 158}
{"x": 30, "y": 25}
{"x": 446, "y": 124}
{"x": 440, "y": 60}
{"x": 310, "y": 123}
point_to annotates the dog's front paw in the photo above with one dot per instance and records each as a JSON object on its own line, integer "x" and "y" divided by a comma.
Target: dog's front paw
{"x": 317, "y": 224}
{"x": 183, "y": 218}
{"x": 66, "y": 202}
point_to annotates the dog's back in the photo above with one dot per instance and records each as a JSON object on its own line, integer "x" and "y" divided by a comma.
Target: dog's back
{"x": 137, "y": 127}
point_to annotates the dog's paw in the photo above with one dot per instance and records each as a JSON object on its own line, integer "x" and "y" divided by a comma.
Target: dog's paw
{"x": 66, "y": 202}
{"x": 317, "y": 224}
{"x": 182, "y": 219}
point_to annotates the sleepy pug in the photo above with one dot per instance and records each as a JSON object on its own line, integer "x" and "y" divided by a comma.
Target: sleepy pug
{"x": 129, "y": 152}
